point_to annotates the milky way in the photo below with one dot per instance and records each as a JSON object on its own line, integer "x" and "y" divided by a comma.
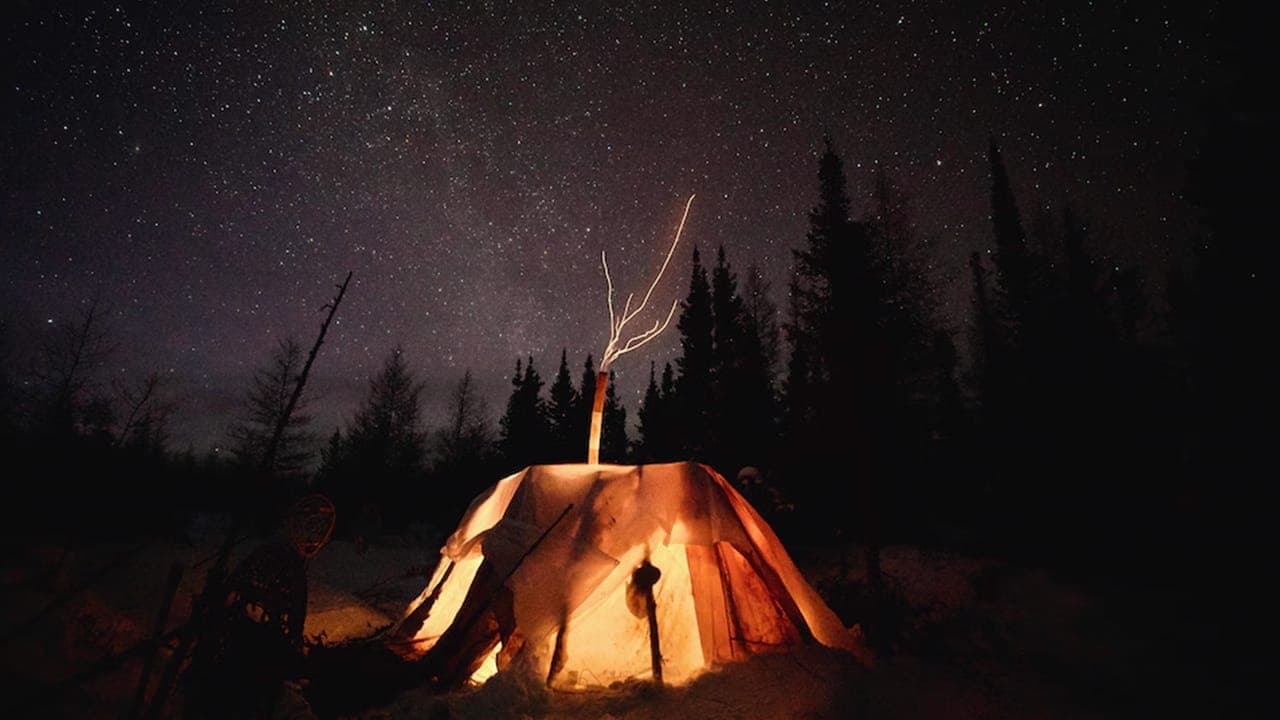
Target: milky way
{"x": 208, "y": 173}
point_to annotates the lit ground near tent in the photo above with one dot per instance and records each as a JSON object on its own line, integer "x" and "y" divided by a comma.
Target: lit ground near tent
{"x": 981, "y": 639}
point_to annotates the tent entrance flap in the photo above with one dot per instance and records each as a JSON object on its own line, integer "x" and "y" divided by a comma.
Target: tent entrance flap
{"x": 607, "y": 642}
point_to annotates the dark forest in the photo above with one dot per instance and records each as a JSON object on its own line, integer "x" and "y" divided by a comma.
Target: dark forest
{"x": 1103, "y": 420}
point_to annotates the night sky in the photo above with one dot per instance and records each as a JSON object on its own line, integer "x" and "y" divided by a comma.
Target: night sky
{"x": 210, "y": 171}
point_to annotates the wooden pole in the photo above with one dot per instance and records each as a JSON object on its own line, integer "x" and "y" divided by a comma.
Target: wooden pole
{"x": 597, "y": 418}
{"x": 466, "y": 618}
{"x": 416, "y": 619}
{"x": 645, "y": 577}
{"x": 557, "y": 652}
{"x": 171, "y": 589}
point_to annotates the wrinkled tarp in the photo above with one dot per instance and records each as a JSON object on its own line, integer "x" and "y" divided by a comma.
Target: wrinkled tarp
{"x": 560, "y": 543}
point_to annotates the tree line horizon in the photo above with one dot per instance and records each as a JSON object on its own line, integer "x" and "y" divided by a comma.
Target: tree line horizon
{"x": 849, "y": 408}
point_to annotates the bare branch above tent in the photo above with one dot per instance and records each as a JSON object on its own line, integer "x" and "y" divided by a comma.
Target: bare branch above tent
{"x": 616, "y": 347}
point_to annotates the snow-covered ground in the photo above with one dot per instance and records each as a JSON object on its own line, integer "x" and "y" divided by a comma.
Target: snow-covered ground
{"x": 975, "y": 638}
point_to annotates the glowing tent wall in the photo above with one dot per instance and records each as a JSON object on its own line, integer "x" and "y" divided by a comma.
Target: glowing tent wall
{"x": 565, "y": 540}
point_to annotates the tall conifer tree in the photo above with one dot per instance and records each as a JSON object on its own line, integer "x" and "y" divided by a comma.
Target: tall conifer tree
{"x": 614, "y": 445}
{"x": 524, "y": 424}
{"x": 649, "y": 427}
{"x": 586, "y": 396}
{"x": 563, "y": 416}
{"x": 694, "y": 393}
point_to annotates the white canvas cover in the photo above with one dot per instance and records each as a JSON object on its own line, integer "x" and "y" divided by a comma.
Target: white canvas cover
{"x": 551, "y": 550}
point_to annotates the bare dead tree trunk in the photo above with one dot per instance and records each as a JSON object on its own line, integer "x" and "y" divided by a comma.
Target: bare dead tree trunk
{"x": 269, "y": 457}
{"x": 66, "y": 365}
{"x": 214, "y": 587}
{"x": 138, "y": 405}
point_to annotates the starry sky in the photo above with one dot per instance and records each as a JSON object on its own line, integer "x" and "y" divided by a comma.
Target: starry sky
{"x": 209, "y": 172}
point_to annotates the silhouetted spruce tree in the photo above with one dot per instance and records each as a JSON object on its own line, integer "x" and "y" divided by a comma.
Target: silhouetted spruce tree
{"x": 464, "y": 454}
{"x": 563, "y": 408}
{"x": 744, "y": 409}
{"x": 614, "y": 445}
{"x": 1012, "y": 256}
{"x": 835, "y": 364}
{"x": 859, "y": 330}
{"x": 950, "y": 405}
{"x": 726, "y": 310}
{"x": 334, "y": 462}
{"x": 906, "y": 319}
{"x": 1150, "y": 397}
{"x": 762, "y": 354}
{"x": 903, "y": 264}
{"x": 524, "y": 427}
{"x": 336, "y": 479}
{"x": 657, "y": 441}
{"x": 756, "y": 433}
{"x": 957, "y": 490}
{"x": 649, "y": 421}
{"x": 801, "y": 451}
{"x": 984, "y": 354}
{"x": 1050, "y": 376}
{"x": 264, "y": 405}
{"x": 586, "y": 396}
{"x": 1076, "y": 369}
{"x": 1010, "y": 409}
{"x": 982, "y": 336}
{"x": 1142, "y": 389}
{"x": 1058, "y": 395}
{"x": 695, "y": 381}
{"x": 854, "y": 359}
{"x": 723, "y": 452}
{"x": 762, "y": 317}
{"x": 671, "y": 446}
{"x": 798, "y": 384}
{"x": 379, "y": 478}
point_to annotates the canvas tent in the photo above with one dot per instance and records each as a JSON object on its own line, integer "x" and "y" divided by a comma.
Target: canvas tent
{"x": 547, "y": 558}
